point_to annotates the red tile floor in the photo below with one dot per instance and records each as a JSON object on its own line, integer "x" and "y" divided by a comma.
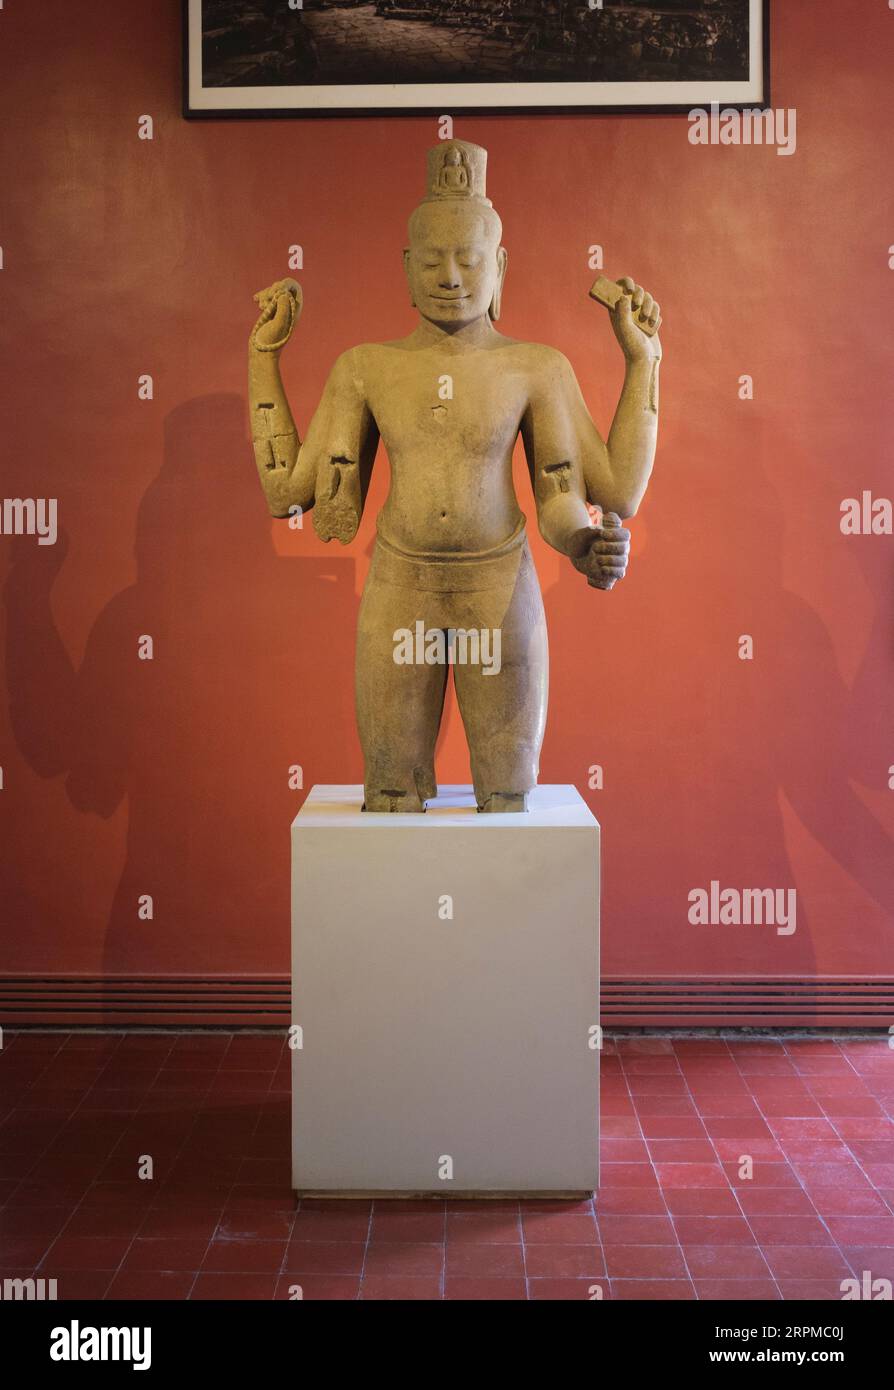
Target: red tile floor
{"x": 676, "y": 1216}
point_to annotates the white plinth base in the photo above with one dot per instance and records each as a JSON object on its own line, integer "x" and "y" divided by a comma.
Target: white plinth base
{"x": 434, "y": 1045}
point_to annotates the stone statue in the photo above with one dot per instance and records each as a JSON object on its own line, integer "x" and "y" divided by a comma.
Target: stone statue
{"x": 452, "y": 582}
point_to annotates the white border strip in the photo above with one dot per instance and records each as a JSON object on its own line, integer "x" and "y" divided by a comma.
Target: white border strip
{"x": 451, "y": 95}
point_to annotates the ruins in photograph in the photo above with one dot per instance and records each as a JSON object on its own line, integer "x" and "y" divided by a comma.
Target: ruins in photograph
{"x": 335, "y": 42}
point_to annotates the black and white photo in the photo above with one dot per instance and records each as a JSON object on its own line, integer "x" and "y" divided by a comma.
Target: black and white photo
{"x": 294, "y": 57}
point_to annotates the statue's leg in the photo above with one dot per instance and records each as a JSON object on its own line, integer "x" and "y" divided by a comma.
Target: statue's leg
{"x": 505, "y": 713}
{"x": 399, "y": 705}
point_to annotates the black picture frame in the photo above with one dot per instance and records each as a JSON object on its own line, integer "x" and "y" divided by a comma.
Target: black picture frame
{"x": 209, "y": 111}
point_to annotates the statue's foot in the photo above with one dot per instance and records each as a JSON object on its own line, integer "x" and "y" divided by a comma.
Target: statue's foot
{"x": 397, "y": 796}
{"x": 499, "y": 802}
{"x": 426, "y": 786}
{"x": 393, "y": 800}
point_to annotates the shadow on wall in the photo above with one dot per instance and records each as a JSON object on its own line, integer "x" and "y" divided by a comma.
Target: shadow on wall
{"x": 251, "y": 673}
{"x": 248, "y": 649}
{"x": 700, "y": 749}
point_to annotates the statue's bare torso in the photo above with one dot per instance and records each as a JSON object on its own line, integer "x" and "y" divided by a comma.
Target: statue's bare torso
{"x": 449, "y": 421}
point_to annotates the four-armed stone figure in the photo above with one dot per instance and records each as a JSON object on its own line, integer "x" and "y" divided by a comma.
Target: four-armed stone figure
{"x": 451, "y": 559}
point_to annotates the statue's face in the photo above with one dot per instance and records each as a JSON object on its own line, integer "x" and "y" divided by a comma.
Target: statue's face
{"x": 455, "y": 263}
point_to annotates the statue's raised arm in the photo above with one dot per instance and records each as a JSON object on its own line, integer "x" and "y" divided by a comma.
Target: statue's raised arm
{"x": 635, "y": 318}
{"x": 273, "y": 430}
{"x": 572, "y": 468}
{"x": 330, "y": 471}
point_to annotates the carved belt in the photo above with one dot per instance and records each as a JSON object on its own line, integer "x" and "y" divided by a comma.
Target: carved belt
{"x": 454, "y": 572}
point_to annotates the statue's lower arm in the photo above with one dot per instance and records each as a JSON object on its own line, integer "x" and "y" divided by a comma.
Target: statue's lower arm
{"x": 630, "y": 449}
{"x": 287, "y": 484}
{"x": 634, "y": 432}
{"x": 574, "y": 470}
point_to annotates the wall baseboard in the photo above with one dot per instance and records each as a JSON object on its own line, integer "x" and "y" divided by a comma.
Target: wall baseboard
{"x": 163, "y": 1001}
{"x": 739, "y": 1002}
{"x": 208, "y": 1001}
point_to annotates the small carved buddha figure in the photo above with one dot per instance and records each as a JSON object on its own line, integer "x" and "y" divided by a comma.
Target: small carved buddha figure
{"x": 454, "y": 177}
{"x": 451, "y": 561}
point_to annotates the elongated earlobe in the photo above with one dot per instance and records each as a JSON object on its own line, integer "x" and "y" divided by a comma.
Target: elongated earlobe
{"x": 407, "y": 269}
{"x": 496, "y": 303}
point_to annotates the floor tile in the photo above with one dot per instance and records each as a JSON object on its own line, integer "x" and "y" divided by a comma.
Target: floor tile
{"x": 486, "y": 1290}
{"x": 564, "y": 1261}
{"x": 400, "y": 1287}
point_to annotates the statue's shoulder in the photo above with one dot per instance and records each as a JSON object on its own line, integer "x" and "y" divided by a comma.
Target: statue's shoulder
{"x": 540, "y": 361}
{"x": 368, "y": 358}
{"x": 372, "y": 350}
{"x": 358, "y": 365}
{"x": 543, "y": 355}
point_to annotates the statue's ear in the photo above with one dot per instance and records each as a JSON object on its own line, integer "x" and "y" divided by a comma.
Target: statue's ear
{"x": 497, "y": 301}
{"x": 407, "y": 269}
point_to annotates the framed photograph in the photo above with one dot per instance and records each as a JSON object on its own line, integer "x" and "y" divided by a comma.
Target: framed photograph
{"x": 453, "y": 57}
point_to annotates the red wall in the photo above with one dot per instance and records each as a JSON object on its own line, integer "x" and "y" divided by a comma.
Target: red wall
{"x": 123, "y": 256}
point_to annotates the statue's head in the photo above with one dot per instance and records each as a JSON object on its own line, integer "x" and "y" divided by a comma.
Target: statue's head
{"x": 455, "y": 263}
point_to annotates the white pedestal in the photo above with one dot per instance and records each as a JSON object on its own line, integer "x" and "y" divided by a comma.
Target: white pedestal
{"x": 428, "y": 1039}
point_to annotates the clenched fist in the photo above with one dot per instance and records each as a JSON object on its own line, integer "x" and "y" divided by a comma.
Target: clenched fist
{"x": 606, "y": 560}
{"x": 280, "y": 311}
{"x": 636, "y": 308}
